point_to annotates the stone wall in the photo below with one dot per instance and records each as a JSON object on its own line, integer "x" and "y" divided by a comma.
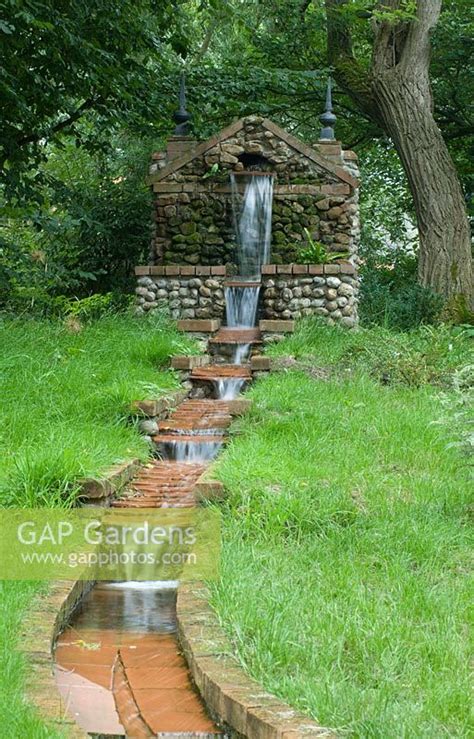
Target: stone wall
{"x": 330, "y": 291}
{"x": 289, "y": 291}
{"x": 315, "y": 187}
{"x": 183, "y": 295}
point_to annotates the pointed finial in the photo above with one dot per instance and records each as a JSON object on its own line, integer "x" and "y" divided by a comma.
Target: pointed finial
{"x": 181, "y": 116}
{"x": 328, "y": 119}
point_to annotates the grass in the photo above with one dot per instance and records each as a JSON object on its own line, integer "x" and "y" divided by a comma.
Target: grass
{"x": 347, "y": 549}
{"x": 65, "y": 399}
{"x": 18, "y": 718}
{"x": 64, "y": 412}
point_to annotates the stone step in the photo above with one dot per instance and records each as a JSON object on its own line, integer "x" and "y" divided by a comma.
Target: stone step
{"x": 276, "y": 326}
{"x": 199, "y": 325}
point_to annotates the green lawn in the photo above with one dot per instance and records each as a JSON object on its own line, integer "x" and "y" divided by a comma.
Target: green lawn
{"x": 63, "y": 414}
{"x": 347, "y": 550}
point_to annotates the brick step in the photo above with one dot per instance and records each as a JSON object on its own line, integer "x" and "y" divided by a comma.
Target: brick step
{"x": 237, "y": 336}
{"x": 187, "y": 438}
{"x": 221, "y": 372}
{"x": 197, "y": 424}
{"x": 162, "y": 484}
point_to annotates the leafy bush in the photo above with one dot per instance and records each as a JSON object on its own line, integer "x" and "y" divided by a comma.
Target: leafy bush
{"x": 391, "y": 297}
{"x": 98, "y": 306}
{"x": 91, "y": 229}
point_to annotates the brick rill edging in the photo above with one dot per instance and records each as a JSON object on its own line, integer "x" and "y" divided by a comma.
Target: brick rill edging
{"x": 100, "y": 490}
{"x": 47, "y": 616}
{"x": 233, "y": 699}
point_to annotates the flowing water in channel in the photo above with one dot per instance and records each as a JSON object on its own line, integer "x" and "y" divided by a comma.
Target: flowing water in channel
{"x": 119, "y": 669}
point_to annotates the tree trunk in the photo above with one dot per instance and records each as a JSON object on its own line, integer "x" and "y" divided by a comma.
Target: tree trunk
{"x": 396, "y": 93}
{"x": 402, "y": 94}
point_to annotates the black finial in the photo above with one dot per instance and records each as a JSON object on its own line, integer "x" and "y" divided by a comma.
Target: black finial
{"x": 328, "y": 119}
{"x": 181, "y": 116}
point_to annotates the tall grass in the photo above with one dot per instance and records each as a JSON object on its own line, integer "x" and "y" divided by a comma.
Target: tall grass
{"x": 347, "y": 553}
{"x": 65, "y": 397}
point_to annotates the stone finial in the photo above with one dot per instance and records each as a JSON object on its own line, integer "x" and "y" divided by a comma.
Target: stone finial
{"x": 181, "y": 116}
{"x": 328, "y": 119}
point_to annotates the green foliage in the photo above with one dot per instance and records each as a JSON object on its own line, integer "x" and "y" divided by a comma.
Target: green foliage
{"x": 458, "y": 418}
{"x": 98, "y": 306}
{"x": 316, "y": 253}
{"x": 66, "y": 61}
{"x": 429, "y": 354}
{"x": 18, "y": 717}
{"x": 92, "y": 232}
{"x": 392, "y": 298}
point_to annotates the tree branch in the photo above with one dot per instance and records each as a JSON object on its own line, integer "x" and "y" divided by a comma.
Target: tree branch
{"x": 350, "y": 75}
{"x": 72, "y": 118}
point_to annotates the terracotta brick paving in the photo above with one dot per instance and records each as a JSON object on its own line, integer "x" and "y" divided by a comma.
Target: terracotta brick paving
{"x": 141, "y": 679}
{"x": 162, "y": 484}
{"x": 120, "y": 679}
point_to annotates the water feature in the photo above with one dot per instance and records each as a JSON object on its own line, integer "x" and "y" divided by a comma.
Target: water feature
{"x": 241, "y": 305}
{"x": 241, "y": 353}
{"x": 118, "y": 665}
{"x": 191, "y": 451}
{"x": 228, "y": 388}
{"x": 252, "y": 213}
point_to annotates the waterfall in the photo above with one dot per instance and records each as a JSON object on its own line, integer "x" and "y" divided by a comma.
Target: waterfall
{"x": 241, "y": 305}
{"x": 252, "y": 212}
{"x": 253, "y": 223}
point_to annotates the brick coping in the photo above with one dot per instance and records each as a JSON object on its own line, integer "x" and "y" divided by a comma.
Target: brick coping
{"x": 47, "y": 616}
{"x": 233, "y": 698}
{"x": 183, "y": 270}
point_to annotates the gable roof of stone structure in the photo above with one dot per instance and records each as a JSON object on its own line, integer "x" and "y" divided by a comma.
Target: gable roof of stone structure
{"x": 339, "y": 172}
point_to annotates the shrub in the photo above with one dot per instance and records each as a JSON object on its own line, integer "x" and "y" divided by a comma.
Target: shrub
{"x": 392, "y": 298}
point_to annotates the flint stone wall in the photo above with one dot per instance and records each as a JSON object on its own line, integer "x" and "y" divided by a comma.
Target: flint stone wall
{"x": 192, "y": 209}
{"x": 294, "y": 296}
{"x": 288, "y": 291}
{"x": 182, "y": 296}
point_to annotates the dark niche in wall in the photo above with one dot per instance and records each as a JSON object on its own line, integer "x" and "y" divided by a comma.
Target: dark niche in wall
{"x": 255, "y": 162}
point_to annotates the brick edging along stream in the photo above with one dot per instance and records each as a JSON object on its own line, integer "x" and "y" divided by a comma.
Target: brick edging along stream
{"x": 233, "y": 698}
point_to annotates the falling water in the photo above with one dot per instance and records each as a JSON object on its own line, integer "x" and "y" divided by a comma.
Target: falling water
{"x": 241, "y": 305}
{"x": 190, "y": 451}
{"x": 241, "y": 353}
{"x": 252, "y": 221}
{"x": 229, "y": 387}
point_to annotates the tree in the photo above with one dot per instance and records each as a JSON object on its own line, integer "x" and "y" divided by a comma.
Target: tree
{"x": 63, "y": 61}
{"x": 394, "y": 91}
